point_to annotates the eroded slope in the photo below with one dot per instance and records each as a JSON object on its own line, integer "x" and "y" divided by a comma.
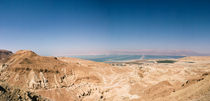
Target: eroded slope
{"x": 69, "y": 79}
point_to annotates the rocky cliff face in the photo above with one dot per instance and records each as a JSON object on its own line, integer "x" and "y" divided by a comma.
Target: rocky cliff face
{"x": 70, "y": 79}
{"x": 8, "y": 93}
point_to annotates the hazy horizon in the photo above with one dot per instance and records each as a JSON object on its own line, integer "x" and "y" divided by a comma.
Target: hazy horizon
{"x": 72, "y": 53}
{"x": 98, "y": 27}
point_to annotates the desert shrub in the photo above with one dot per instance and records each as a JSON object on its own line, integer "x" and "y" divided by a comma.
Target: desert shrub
{"x": 166, "y": 61}
{"x": 57, "y": 71}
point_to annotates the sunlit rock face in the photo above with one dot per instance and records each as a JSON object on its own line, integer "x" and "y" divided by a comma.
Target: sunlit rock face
{"x": 70, "y": 79}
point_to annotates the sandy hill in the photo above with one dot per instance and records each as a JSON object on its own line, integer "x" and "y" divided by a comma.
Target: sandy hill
{"x": 46, "y": 75}
{"x": 70, "y": 79}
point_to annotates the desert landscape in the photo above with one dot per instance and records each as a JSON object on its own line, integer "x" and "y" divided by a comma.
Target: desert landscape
{"x": 26, "y": 76}
{"x": 104, "y": 50}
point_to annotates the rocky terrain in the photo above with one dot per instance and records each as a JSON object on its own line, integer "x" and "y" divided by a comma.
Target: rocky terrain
{"x": 8, "y": 93}
{"x": 4, "y": 55}
{"x": 72, "y": 79}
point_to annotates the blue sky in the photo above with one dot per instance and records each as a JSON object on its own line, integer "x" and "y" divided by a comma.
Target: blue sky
{"x": 53, "y": 27}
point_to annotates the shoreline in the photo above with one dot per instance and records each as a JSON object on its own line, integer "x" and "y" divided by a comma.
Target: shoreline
{"x": 140, "y": 60}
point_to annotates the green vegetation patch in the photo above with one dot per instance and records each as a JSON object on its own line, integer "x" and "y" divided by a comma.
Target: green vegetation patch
{"x": 190, "y": 62}
{"x": 166, "y": 61}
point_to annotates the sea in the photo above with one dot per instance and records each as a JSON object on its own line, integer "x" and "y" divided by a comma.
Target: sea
{"x": 120, "y": 58}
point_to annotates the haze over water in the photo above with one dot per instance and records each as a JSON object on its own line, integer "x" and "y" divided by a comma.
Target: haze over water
{"x": 119, "y": 58}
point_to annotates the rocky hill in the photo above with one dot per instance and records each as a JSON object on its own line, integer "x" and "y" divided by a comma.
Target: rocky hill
{"x": 4, "y": 55}
{"x": 72, "y": 79}
{"x": 8, "y": 93}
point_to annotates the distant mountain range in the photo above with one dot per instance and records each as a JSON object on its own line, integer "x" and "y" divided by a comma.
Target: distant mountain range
{"x": 134, "y": 52}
